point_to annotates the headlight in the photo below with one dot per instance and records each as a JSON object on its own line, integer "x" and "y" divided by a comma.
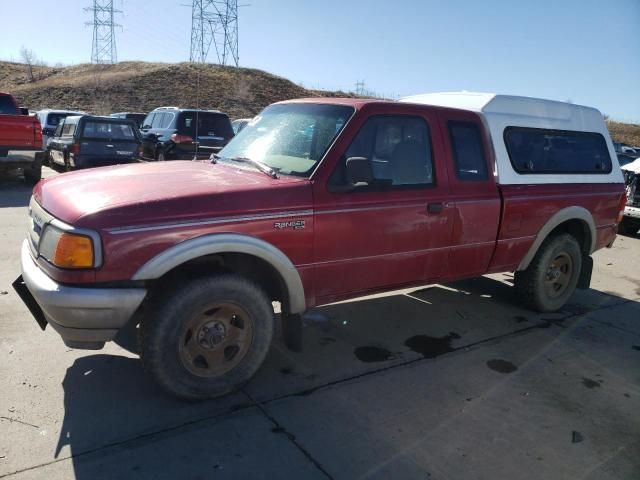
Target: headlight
{"x": 66, "y": 250}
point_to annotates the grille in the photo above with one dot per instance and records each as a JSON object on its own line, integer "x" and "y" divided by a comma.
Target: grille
{"x": 38, "y": 219}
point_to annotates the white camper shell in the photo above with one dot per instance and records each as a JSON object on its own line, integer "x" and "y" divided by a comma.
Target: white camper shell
{"x": 500, "y": 112}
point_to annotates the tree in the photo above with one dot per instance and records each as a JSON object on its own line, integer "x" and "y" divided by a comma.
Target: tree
{"x": 30, "y": 59}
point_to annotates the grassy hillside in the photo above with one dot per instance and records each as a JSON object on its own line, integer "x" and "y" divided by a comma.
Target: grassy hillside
{"x": 142, "y": 86}
{"x": 624, "y": 132}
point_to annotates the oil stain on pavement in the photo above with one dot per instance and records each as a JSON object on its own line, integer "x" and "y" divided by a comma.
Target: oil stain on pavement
{"x": 431, "y": 347}
{"x": 501, "y": 366}
{"x": 372, "y": 354}
{"x": 587, "y": 382}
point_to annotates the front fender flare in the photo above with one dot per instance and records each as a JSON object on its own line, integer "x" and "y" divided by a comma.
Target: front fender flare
{"x": 561, "y": 216}
{"x": 228, "y": 243}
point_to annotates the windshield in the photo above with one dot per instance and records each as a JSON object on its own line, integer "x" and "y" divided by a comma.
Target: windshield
{"x": 53, "y": 119}
{"x": 290, "y": 138}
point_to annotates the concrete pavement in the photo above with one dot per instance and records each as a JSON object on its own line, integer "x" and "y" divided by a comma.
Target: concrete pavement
{"x": 441, "y": 382}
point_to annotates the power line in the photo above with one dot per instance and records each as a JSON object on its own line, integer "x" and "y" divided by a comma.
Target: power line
{"x": 214, "y": 22}
{"x": 103, "y": 47}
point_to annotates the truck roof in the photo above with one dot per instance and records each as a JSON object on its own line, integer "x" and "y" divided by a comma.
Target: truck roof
{"x": 502, "y": 111}
{"x": 59, "y": 110}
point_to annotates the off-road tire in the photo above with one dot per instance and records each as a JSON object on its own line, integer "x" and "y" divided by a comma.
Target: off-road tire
{"x": 32, "y": 174}
{"x": 66, "y": 167}
{"x": 170, "y": 312}
{"x": 530, "y": 283}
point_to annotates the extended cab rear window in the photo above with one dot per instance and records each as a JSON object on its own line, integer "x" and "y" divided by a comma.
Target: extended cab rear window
{"x": 6, "y": 106}
{"x": 108, "y": 131}
{"x": 468, "y": 151}
{"x": 542, "y": 151}
{"x": 206, "y": 124}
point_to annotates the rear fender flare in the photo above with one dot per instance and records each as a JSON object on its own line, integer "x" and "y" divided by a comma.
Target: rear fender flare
{"x": 228, "y": 243}
{"x": 564, "y": 215}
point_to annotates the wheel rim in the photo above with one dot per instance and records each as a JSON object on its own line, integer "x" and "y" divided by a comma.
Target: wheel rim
{"x": 216, "y": 339}
{"x": 558, "y": 275}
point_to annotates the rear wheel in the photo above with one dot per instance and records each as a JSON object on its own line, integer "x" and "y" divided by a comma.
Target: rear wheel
{"x": 628, "y": 227}
{"x": 208, "y": 337}
{"x": 552, "y": 276}
{"x": 32, "y": 174}
{"x": 67, "y": 164}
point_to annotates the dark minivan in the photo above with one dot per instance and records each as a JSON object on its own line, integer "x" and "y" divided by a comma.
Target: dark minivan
{"x": 171, "y": 133}
{"x": 87, "y": 141}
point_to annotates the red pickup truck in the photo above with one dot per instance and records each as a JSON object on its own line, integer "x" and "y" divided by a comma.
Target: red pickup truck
{"x": 20, "y": 139}
{"x": 317, "y": 201}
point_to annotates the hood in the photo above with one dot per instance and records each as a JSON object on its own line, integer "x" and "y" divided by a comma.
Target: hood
{"x": 633, "y": 166}
{"x": 160, "y": 191}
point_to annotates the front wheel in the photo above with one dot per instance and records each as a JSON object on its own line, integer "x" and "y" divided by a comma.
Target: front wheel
{"x": 552, "y": 276}
{"x": 207, "y": 337}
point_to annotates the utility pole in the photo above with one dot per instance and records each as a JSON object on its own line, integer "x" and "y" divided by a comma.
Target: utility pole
{"x": 103, "y": 48}
{"x": 214, "y": 22}
{"x": 360, "y": 88}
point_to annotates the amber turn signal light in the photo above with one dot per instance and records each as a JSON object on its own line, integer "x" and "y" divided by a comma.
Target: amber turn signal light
{"x": 73, "y": 251}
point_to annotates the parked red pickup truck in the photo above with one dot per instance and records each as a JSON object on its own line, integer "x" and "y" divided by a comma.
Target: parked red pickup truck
{"x": 20, "y": 139}
{"x": 316, "y": 201}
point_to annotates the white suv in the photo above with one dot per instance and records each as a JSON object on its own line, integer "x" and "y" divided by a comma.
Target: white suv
{"x": 49, "y": 120}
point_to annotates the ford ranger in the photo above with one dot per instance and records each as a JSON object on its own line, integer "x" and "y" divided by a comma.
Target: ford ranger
{"x": 313, "y": 202}
{"x": 20, "y": 139}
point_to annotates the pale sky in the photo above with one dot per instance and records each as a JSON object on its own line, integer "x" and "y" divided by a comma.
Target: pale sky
{"x": 586, "y": 51}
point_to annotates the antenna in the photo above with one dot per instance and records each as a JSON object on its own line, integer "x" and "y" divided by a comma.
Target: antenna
{"x": 103, "y": 48}
{"x": 214, "y": 21}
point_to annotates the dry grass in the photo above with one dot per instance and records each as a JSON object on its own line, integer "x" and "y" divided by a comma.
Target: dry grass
{"x": 628, "y": 133}
{"x": 140, "y": 86}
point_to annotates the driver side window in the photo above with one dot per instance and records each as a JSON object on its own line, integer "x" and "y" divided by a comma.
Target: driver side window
{"x": 398, "y": 149}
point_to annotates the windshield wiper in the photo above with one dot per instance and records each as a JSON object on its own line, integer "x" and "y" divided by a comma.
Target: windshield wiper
{"x": 263, "y": 167}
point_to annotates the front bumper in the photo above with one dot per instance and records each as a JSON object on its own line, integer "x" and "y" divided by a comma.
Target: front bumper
{"x": 84, "y": 317}
{"x": 632, "y": 212}
{"x": 20, "y": 159}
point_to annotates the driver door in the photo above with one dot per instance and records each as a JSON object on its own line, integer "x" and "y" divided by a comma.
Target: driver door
{"x": 396, "y": 230}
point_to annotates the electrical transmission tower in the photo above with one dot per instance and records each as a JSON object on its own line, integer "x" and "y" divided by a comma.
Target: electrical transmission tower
{"x": 103, "y": 49}
{"x": 214, "y": 21}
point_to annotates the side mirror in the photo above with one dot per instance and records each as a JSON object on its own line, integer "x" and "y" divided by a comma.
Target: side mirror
{"x": 24, "y": 111}
{"x": 359, "y": 170}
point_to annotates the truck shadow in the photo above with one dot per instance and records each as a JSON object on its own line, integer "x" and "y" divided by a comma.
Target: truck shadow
{"x": 14, "y": 193}
{"x": 111, "y": 405}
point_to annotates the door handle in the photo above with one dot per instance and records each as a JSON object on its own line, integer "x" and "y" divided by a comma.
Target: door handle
{"x": 435, "y": 207}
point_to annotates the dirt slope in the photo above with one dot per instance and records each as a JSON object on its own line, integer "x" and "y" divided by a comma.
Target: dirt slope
{"x": 624, "y": 132}
{"x": 141, "y": 86}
